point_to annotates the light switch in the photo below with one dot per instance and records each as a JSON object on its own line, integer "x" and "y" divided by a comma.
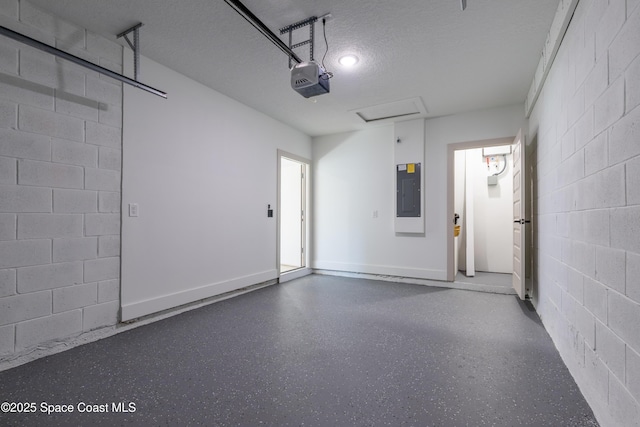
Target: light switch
{"x": 133, "y": 209}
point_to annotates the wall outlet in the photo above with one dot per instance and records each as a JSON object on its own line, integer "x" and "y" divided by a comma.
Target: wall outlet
{"x": 133, "y": 210}
{"x": 374, "y": 214}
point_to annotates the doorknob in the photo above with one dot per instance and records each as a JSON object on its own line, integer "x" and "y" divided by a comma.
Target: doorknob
{"x": 521, "y": 221}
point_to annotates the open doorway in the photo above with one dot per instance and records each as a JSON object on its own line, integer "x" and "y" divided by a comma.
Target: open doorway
{"x": 292, "y": 215}
{"x": 483, "y": 203}
{"x": 481, "y": 208}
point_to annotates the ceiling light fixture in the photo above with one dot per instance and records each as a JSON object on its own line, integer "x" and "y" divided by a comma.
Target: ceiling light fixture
{"x": 348, "y": 60}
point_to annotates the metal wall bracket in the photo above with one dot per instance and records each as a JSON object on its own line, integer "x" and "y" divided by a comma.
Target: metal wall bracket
{"x": 290, "y": 28}
{"x": 135, "y": 46}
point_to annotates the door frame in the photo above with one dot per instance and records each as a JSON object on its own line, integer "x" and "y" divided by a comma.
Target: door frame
{"x": 306, "y": 230}
{"x": 451, "y": 149}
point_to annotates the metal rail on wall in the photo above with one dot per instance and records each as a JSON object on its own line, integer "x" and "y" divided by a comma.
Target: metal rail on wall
{"x": 79, "y": 61}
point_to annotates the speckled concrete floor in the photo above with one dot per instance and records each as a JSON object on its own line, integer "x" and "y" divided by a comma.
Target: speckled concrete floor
{"x": 316, "y": 351}
{"x": 484, "y": 278}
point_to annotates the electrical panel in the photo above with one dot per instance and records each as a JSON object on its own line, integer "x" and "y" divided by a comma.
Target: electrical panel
{"x": 408, "y": 200}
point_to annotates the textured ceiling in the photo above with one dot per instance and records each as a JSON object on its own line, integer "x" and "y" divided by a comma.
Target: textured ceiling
{"x": 454, "y": 60}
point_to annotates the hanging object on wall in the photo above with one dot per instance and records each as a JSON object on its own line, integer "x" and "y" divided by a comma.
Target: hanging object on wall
{"x": 463, "y": 4}
{"x": 496, "y": 160}
{"x": 79, "y": 61}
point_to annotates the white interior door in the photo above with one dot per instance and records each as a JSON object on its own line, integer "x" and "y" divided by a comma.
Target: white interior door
{"x": 519, "y": 217}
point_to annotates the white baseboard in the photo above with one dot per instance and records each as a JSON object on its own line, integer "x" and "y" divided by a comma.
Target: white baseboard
{"x": 416, "y": 281}
{"x": 382, "y": 270}
{"x": 143, "y": 308}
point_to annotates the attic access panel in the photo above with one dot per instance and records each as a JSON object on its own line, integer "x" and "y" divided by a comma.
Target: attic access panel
{"x": 408, "y": 191}
{"x": 393, "y": 111}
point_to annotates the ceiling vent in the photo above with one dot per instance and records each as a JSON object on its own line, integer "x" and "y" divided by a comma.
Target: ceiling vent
{"x": 411, "y": 108}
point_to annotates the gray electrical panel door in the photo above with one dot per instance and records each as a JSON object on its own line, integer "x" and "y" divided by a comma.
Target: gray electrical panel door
{"x": 408, "y": 190}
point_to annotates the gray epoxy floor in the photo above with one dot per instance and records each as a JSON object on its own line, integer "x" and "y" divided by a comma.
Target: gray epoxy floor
{"x": 486, "y": 278}
{"x": 317, "y": 351}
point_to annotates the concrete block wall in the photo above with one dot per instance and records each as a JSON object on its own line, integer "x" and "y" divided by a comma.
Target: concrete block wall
{"x": 587, "y": 209}
{"x": 60, "y": 192}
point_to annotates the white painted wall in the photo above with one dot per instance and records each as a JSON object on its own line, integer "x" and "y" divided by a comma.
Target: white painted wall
{"x": 587, "y": 210}
{"x": 493, "y": 213}
{"x": 291, "y": 206}
{"x": 203, "y": 169}
{"x": 354, "y": 176}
